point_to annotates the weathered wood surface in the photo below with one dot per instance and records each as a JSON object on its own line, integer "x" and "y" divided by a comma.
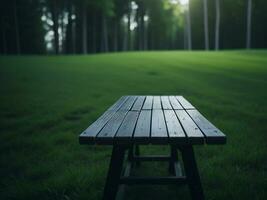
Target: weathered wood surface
{"x": 138, "y": 103}
{"x": 158, "y": 127}
{"x": 152, "y": 119}
{"x": 213, "y": 134}
{"x": 148, "y": 103}
{"x": 175, "y": 130}
{"x": 142, "y": 129}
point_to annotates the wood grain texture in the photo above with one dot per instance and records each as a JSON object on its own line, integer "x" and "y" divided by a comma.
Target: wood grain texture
{"x": 148, "y": 103}
{"x": 142, "y": 129}
{"x": 175, "y": 130}
{"x": 91, "y": 132}
{"x": 165, "y": 103}
{"x": 138, "y": 103}
{"x": 110, "y": 129}
{"x": 193, "y": 133}
{"x": 175, "y": 104}
{"x": 118, "y": 103}
{"x": 152, "y": 119}
{"x": 158, "y": 127}
{"x": 127, "y": 105}
{"x": 126, "y": 129}
{"x": 213, "y": 134}
{"x": 156, "y": 102}
{"x": 184, "y": 102}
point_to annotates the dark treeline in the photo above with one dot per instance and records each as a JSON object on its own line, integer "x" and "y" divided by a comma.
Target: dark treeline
{"x": 91, "y": 26}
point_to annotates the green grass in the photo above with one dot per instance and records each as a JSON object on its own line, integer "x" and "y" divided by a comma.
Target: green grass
{"x": 47, "y": 101}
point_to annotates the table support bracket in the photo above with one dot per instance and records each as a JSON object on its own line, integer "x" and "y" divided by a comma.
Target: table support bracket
{"x": 116, "y": 178}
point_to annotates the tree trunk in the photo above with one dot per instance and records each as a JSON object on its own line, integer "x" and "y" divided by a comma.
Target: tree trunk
{"x": 94, "y": 32}
{"x": 115, "y": 37}
{"x": 249, "y": 13}
{"x": 189, "y": 39}
{"x": 185, "y": 34}
{"x": 54, "y": 11}
{"x": 125, "y": 37}
{"x": 129, "y": 25}
{"x": 73, "y": 32}
{"x": 152, "y": 42}
{"x": 142, "y": 28}
{"x": 104, "y": 34}
{"x": 4, "y": 37}
{"x": 206, "y": 26}
{"x": 84, "y": 29}
{"x": 63, "y": 39}
{"x": 139, "y": 31}
{"x": 145, "y": 34}
{"x": 68, "y": 46}
{"x": 17, "y": 27}
{"x": 217, "y": 25}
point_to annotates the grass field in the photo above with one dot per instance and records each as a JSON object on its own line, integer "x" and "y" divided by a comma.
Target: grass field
{"x": 47, "y": 101}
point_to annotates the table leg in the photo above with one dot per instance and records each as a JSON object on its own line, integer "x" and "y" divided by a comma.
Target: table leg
{"x": 191, "y": 172}
{"x": 174, "y": 158}
{"x": 114, "y": 172}
{"x": 130, "y": 153}
{"x": 137, "y": 153}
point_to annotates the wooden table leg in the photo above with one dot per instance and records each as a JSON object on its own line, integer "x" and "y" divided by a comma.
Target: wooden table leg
{"x": 131, "y": 153}
{"x": 191, "y": 172}
{"x": 137, "y": 153}
{"x": 114, "y": 172}
{"x": 174, "y": 158}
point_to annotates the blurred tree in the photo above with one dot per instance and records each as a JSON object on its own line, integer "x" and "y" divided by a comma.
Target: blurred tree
{"x": 232, "y": 24}
{"x": 90, "y": 26}
{"x": 206, "y": 26}
{"x": 217, "y": 25}
{"x": 259, "y": 28}
{"x": 4, "y": 26}
{"x": 71, "y": 28}
{"x": 106, "y": 8}
{"x": 118, "y": 13}
{"x": 84, "y": 8}
{"x": 54, "y": 6}
{"x": 197, "y": 25}
{"x": 249, "y": 10}
{"x": 129, "y": 10}
{"x": 21, "y": 28}
{"x": 188, "y": 27}
{"x": 16, "y": 27}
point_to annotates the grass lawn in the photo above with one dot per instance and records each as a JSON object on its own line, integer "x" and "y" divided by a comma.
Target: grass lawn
{"x": 47, "y": 101}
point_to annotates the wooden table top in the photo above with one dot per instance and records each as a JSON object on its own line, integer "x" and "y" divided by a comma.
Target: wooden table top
{"x": 152, "y": 120}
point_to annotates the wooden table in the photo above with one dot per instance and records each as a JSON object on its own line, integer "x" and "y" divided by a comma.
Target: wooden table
{"x": 162, "y": 120}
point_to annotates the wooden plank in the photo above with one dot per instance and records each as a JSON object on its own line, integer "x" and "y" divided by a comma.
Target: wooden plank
{"x": 175, "y": 130}
{"x": 150, "y": 180}
{"x": 175, "y": 103}
{"x": 158, "y": 127}
{"x": 110, "y": 129}
{"x": 156, "y": 102}
{"x": 184, "y": 102}
{"x": 193, "y": 133}
{"x": 151, "y": 158}
{"x": 88, "y": 136}
{"x": 118, "y": 103}
{"x": 213, "y": 134}
{"x": 126, "y": 129}
{"x": 142, "y": 129}
{"x": 148, "y": 103}
{"x": 138, "y": 103}
{"x": 129, "y": 103}
{"x": 165, "y": 103}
